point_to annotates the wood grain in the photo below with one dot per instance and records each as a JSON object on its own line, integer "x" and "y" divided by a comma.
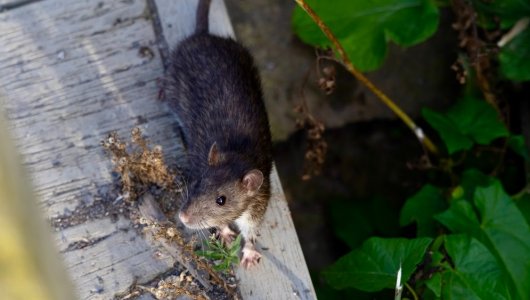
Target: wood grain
{"x": 72, "y": 71}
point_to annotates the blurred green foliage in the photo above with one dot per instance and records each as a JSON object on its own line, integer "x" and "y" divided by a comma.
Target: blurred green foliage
{"x": 472, "y": 238}
{"x": 365, "y": 27}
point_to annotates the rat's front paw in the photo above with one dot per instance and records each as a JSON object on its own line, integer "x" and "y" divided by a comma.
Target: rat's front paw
{"x": 227, "y": 236}
{"x": 250, "y": 258}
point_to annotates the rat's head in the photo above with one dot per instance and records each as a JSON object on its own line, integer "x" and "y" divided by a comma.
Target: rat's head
{"x": 221, "y": 194}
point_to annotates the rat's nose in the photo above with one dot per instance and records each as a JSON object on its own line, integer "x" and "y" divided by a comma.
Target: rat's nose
{"x": 184, "y": 218}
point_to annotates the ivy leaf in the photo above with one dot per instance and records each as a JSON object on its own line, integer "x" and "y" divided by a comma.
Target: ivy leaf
{"x": 448, "y": 130}
{"x": 460, "y": 215}
{"x": 374, "y": 266}
{"x": 476, "y": 274}
{"x": 421, "y": 208}
{"x": 523, "y": 203}
{"x": 467, "y": 122}
{"x": 514, "y": 57}
{"x": 501, "y": 227}
{"x": 364, "y": 27}
{"x": 435, "y": 284}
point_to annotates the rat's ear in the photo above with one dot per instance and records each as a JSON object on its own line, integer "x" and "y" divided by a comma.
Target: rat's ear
{"x": 253, "y": 180}
{"x": 214, "y": 156}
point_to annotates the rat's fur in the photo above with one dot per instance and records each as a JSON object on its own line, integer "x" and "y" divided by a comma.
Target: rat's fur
{"x": 214, "y": 87}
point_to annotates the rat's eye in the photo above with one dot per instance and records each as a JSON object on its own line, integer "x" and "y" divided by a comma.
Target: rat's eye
{"x": 220, "y": 200}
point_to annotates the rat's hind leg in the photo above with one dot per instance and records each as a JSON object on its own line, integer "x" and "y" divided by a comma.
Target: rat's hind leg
{"x": 251, "y": 256}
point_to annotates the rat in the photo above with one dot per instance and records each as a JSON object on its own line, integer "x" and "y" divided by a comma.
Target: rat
{"x": 214, "y": 88}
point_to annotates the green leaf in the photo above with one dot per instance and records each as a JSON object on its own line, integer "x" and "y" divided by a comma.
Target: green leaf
{"x": 421, "y": 208}
{"x": 514, "y": 57}
{"x": 459, "y": 215}
{"x": 508, "y": 233}
{"x": 235, "y": 246}
{"x": 437, "y": 258}
{"x": 470, "y": 180}
{"x": 468, "y": 121}
{"x": 454, "y": 140}
{"x": 476, "y": 274}
{"x": 517, "y": 144}
{"x": 435, "y": 284}
{"x": 210, "y": 254}
{"x": 523, "y": 203}
{"x": 501, "y": 227}
{"x": 509, "y": 11}
{"x": 223, "y": 266}
{"x": 374, "y": 266}
{"x": 364, "y": 27}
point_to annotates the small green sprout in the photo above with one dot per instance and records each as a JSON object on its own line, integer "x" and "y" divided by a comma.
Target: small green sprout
{"x": 224, "y": 257}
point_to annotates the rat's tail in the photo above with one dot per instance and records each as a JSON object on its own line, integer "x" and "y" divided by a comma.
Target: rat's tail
{"x": 201, "y": 21}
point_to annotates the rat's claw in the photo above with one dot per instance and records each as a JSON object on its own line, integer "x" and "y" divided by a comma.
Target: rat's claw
{"x": 250, "y": 258}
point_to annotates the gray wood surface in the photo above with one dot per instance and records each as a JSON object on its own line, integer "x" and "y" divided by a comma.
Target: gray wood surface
{"x": 72, "y": 71}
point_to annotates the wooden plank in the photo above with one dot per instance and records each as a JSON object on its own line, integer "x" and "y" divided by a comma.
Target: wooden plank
{"x": 178, "y": 19}
{"x": 71, "y": 72}
{"x": 282, "y": 273}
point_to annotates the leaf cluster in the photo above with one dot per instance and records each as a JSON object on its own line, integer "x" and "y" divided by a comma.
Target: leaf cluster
{"x": 473, "y": 243}
{"x": 472, "y": 237}
{"x": 365, "y": 28}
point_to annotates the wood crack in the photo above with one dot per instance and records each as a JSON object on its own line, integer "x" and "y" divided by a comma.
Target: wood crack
{"x": 163, "y": 46}
{"x": 16, "y": 4}
{"x": 83, "y": 243}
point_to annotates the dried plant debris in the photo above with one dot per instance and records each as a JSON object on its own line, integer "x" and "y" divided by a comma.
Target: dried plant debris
{"x": 326, "y": 72}
{"x": 169, "y": 288}
{"x": 175, "y": 286}
{"x": 151, "y": 188}
{"x": 317, "y": 147}
{"x": 139, "y": 167}
{"x": 168, "y": 235}
{"x": 480, "y": 49}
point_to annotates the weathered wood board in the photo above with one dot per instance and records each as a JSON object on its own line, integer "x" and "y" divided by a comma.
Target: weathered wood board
{"x": 72, "y": 71}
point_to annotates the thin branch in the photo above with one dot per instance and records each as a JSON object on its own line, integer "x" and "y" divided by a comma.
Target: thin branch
{"x": 425, "y": 141}
{"x": 411, "y": 290}
{"x": 519, "y": 27}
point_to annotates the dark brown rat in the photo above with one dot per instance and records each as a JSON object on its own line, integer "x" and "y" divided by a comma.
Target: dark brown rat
{"x": 214, "y": 87}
